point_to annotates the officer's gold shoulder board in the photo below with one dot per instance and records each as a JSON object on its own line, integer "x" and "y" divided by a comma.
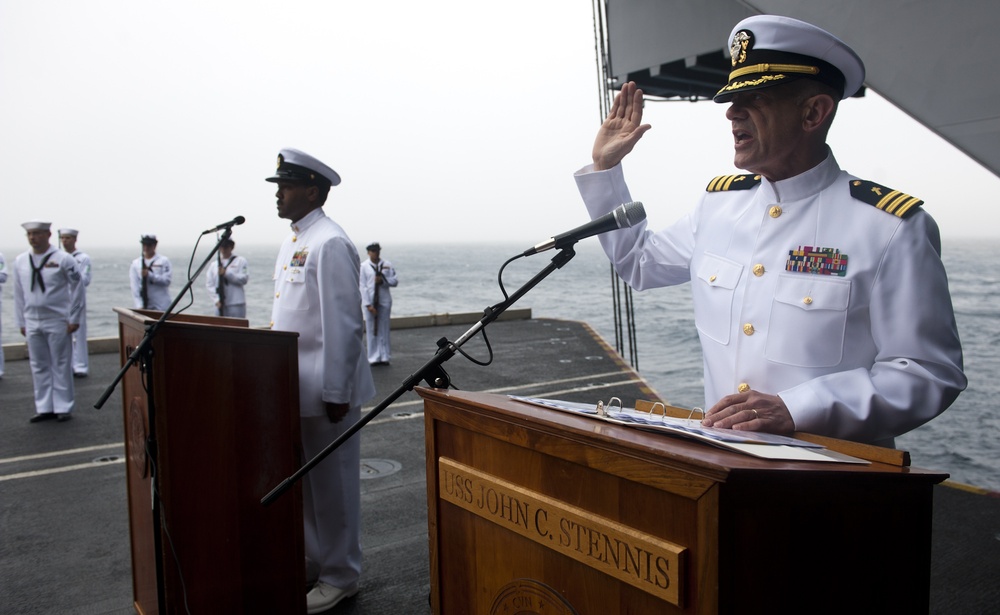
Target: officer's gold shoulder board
{"x": 888, "y": 200}
{"x": 723, "y": 183}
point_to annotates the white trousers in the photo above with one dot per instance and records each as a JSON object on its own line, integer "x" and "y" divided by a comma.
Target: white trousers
{"x": 331, "y": 500}
{"x": 81, "y": 356}
{"x": 379, "y": 350}
{"x": 50, "y": 350}
{"x": 232, "y": 311}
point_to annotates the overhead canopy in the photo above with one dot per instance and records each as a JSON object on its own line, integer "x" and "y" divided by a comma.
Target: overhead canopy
{"x": 931, "y": 59}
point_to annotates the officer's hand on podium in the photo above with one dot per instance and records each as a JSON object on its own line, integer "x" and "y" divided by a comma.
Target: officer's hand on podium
{"x": 751, "y": 411}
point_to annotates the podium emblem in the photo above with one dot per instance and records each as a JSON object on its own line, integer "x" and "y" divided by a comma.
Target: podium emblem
{"x": 529, "y": 597}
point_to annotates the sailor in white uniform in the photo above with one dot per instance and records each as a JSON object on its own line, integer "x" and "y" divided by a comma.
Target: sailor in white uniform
{"x": 377, "y": 277}
{"x": 3, "y": 280}
{"x": 820, "y": 299}
{"x": 316, "y": 294}
{"x": 150, "y": 276}
{"x": 226, "y": 281}
{"x": 48, "y": 301}
{"x": 81, "y": 356}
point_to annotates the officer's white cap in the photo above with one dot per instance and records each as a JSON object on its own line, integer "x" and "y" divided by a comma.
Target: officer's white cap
{"x": 768, "y": 50}
{"x": 36, "y": 225}
{"x": 297, "y": 166}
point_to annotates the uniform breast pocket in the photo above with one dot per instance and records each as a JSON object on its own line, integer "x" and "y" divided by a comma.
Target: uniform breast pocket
{"x": 714, "y": 287}
{"x": 808, "y": 321}
{"x": 293, "y": 291}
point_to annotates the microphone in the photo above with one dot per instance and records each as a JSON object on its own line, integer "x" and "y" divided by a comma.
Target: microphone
{"x": 234, "y": 222}
{"x": 623, "y": 216}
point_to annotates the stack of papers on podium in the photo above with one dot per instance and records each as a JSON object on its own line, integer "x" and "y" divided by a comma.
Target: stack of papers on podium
{"x": 756, "y": 443}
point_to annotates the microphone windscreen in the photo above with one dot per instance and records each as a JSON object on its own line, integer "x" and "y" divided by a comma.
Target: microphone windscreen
{"x": 634, "y": 213}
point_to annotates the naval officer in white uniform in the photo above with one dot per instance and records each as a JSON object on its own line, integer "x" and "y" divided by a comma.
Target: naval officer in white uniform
{"x": 820, "y": 298}
{"x": 316, "y": 294}
{"x": 150, "y": 276}
{"x": 48, "y": 301}
{"x": 81, "y": 356}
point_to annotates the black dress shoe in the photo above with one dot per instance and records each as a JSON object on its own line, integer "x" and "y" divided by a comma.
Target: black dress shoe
{"x": 44, "y": 416}
{"x": 62, "y": 418}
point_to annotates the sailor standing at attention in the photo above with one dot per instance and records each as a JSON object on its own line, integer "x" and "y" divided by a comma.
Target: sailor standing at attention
{"x": 81, "y": 356}
{"x": 149, "y": 276}
{"x": 316, "y": 295}
{"x": 3, "y": 280}
{"x": 819, "y": 297}
{"x": 48, "y": 301}
{"x": 377, "y": 276}
{"x": 225, "y": 282}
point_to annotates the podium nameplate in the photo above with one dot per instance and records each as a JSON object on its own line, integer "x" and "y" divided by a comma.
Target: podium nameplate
{"x": 639, "y": 559}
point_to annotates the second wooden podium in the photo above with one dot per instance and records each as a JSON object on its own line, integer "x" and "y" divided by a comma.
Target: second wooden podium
{"x": 209, "y": 431}
{"x": 533, "y": 510}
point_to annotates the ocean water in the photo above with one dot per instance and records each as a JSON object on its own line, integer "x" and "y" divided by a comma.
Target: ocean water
{"x": 463, "y": 278}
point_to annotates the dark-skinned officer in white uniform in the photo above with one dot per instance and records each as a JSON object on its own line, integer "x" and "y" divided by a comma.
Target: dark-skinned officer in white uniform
{"x": 820, "y": 298}
{"x": 316, "y": 294}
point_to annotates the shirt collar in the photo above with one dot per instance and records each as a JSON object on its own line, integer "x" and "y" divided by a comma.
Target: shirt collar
{"x": 803, "y": 185}
{"x": 300, "y": 226}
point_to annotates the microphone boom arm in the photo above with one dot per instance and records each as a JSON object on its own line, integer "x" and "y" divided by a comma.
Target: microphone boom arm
{"x": 431, "y": 371}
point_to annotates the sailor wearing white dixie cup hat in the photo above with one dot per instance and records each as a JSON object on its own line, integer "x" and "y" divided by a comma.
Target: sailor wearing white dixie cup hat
{"x": 48, "y": 301}
{"x": 81, "y": 356}
{"x": 316, "y": 295}
{"x": 819, "y": 298}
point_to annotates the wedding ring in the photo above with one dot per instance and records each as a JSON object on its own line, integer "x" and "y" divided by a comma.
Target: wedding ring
{"x": 755, "y": 415}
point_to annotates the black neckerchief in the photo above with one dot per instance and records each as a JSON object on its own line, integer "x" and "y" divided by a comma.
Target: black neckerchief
{"x": 36, "y": 272}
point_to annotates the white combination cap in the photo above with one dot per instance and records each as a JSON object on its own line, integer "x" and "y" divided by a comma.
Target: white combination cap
{"x": 769, "y": 50}
{"x": 297, "y": 166}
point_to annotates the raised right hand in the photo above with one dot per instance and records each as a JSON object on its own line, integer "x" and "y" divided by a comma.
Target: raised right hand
{"x": 621, "y": 130}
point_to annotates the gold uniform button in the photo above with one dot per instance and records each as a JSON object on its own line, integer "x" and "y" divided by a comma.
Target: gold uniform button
{"x": 748, "y": 329}
{"x": 285, "y": 268}
{"x": 807, "y": 300}
{"x": 743, "y": 388}
{"x": 294, "y": 239}
{"x": 276, "y": 295}
{"x": 711, "y": 278}
{"x": 774, "y": 212}
{"x": 758, "y": 270}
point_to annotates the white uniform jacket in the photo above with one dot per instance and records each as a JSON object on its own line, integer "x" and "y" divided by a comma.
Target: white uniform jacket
{"x": 62, "y": 297}
{"x": 237, "y": 275}
{"x": 157, "y": 282}
{"x": 368, "y": 282}
{"x": 865, "y": 351}
{"x": 3, "y": 280}
{"x": 332, "y": 363}
{"x": 83, "y": 266}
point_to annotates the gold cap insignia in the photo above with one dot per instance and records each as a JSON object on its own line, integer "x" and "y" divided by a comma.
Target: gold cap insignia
{"x": 742, "y": 41}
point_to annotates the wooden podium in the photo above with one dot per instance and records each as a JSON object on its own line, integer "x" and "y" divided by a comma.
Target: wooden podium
{"x": 224, "y": 429}
{"x": 534, "y": 510}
